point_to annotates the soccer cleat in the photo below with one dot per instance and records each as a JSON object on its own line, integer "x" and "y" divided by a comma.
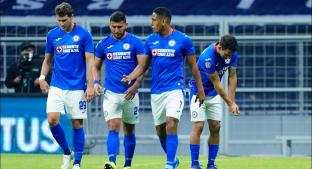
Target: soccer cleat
{"x": 66, "y": 161}
{"x": 110, "y": 165}
{"x": 195, "y": 167}
{"x": 167, "y": 166}
{"x": 176, "y": 163}
{"x": 211, "y": 167}
{"x": 128, "y": 167}
{"x": 76, "y": 166}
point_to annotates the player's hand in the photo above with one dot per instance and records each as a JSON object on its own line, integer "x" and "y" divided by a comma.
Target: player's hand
{"x": 44, "y": 86}
{"x": 126, "y": 79}
{"x": 17, "y": 80}
{"x": 89, "y": 94}
{"x": 97, "y": 89}
{"x": 234, "y": 109}
{"x": 200, "y": 97}
{"x": 130, "y": 93}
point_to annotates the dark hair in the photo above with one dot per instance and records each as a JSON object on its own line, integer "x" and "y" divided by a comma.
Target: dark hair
{"x": 118, "y": 16}
{"x": 228, "y": 42}
{"x": 163, "y": 12}
{"x": 26, "y": 45}
{"x": 64, "y": 9}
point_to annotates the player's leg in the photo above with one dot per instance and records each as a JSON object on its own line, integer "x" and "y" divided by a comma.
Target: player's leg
{"x": 76, "y": 108}
{"x": 159, "y": 115}
{"x": 55, "y": 105}
{"x": 174, "y": 107}
{"x": 198, "y": 118}
{"x": 130, "y": 118}
{"x": 214, "y": 113}
{"x": 113, "y": 113}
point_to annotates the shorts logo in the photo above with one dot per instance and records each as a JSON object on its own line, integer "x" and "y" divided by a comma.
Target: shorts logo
{"x": 154, "y": 52}
{"x": 172, "y": 42}
{"x": 126, "y": 46}
{"x": 109, "y": 56}
{"x": 76, "y": 38}
{"x": 194, "y": 114}
{"x": 59, "y": 49}
{"x": 227, "y": 61}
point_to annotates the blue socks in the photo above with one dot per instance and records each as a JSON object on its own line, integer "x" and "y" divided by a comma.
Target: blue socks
{"x": 112, "y": 145}
{"x": 59, "y": 136}
{"x": 163, "y": 145}
{"x": 129, "y": 145}
{"x": 194, "y": 148}
{"x": 78, "y": 143}
{"x": 213, "y": 151}
{"x": 172, "y": 146}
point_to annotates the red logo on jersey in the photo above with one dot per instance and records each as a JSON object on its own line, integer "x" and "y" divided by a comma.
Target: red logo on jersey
{"x": 109, "y": 56}
{"x": 154, "y": 52}
{"x": 59, "y": 49}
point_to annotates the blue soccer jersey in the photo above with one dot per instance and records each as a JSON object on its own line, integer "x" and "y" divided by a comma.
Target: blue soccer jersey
{"x": 120, "y": 58}
{"x": 168, "y": 55}
{"x": 68, "y": 49}
{"x": 210, "y": 62}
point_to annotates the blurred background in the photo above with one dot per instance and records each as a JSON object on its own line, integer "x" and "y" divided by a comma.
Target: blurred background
{"x": 274, "y": 73}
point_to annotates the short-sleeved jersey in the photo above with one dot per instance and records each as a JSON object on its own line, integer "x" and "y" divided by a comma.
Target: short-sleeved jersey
{"x": 68, "y": 49}
{"x": 168, "y": 55}
{"x": 120, "y": 58}
{"x": 210, "y": 62}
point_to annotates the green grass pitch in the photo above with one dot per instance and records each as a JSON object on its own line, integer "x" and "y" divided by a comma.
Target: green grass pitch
{"x": 43, "y": 161}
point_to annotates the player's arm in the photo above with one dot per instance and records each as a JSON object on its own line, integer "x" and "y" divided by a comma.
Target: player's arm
{"x": 215, "y": 79}
{"x": 90, "y": 90}
{"x": 195, "y": 72}
{"x": 96, "y": 74}
{"x": 142, "y": 66}
{"x": 232, "y": 83}
{"x": 45, "y": 68}
{"x": 139, "y": 72}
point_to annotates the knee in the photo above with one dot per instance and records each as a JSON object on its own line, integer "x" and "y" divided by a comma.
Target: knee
{"x": 198, "y": 128}
{"x": 77, "y": 123}
{"x": 215, "y": 128}
{"x": 53, "y": 121}
{"x": 171, "y": 125}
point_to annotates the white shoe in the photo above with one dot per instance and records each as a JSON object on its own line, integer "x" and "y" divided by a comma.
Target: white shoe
{"x": 76, "y": 166}
{"x": 66, "y": 162}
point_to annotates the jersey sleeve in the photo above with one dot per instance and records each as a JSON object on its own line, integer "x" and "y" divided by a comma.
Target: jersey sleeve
{"x": 99, "y": 49}
{"x": 234, "y": 60}
{"x": 89, "y": 46}
{"x": 188, "y": 48}
{"x": 49, "y": 46}
{"x": 139, "y": 47}
{"x": 208, "y": 62}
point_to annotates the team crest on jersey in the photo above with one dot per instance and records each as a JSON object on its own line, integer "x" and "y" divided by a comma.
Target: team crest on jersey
{"x": 76, "y": 38}
{"x": 172, "y": 42}
{"x": 59, "y": 49}
{"x": 154, "y": 52}
{"x": 227, "y": 61}
{"x": 194, "y": 114}
{"x": 126, "y": 46}
{"x": 109, "y": 56}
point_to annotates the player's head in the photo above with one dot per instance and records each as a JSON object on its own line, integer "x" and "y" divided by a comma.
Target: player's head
{"x": 118, "y": 24}
{"x": 161, "y": 17}
{"x": 227, "y": 46}
{"x": 64, "y": 15}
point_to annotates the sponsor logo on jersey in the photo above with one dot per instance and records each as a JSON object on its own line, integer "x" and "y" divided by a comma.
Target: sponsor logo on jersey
{"x": 163, "y": 52}
{"x": 118, "y": 55}
{"x": 126, "y": 46}
{"x": 227, "y": 61}
{"x": 59, "y": 49}
{"x": 172, "y": 42}
{"x": 76, "y": 38}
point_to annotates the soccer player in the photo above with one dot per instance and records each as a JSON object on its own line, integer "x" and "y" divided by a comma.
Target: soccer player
{"x": 212, "y": 63}
{"x": 168, "y": 49}
{"x": 121, "y": 52}
{"x": 71, "y": 48}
